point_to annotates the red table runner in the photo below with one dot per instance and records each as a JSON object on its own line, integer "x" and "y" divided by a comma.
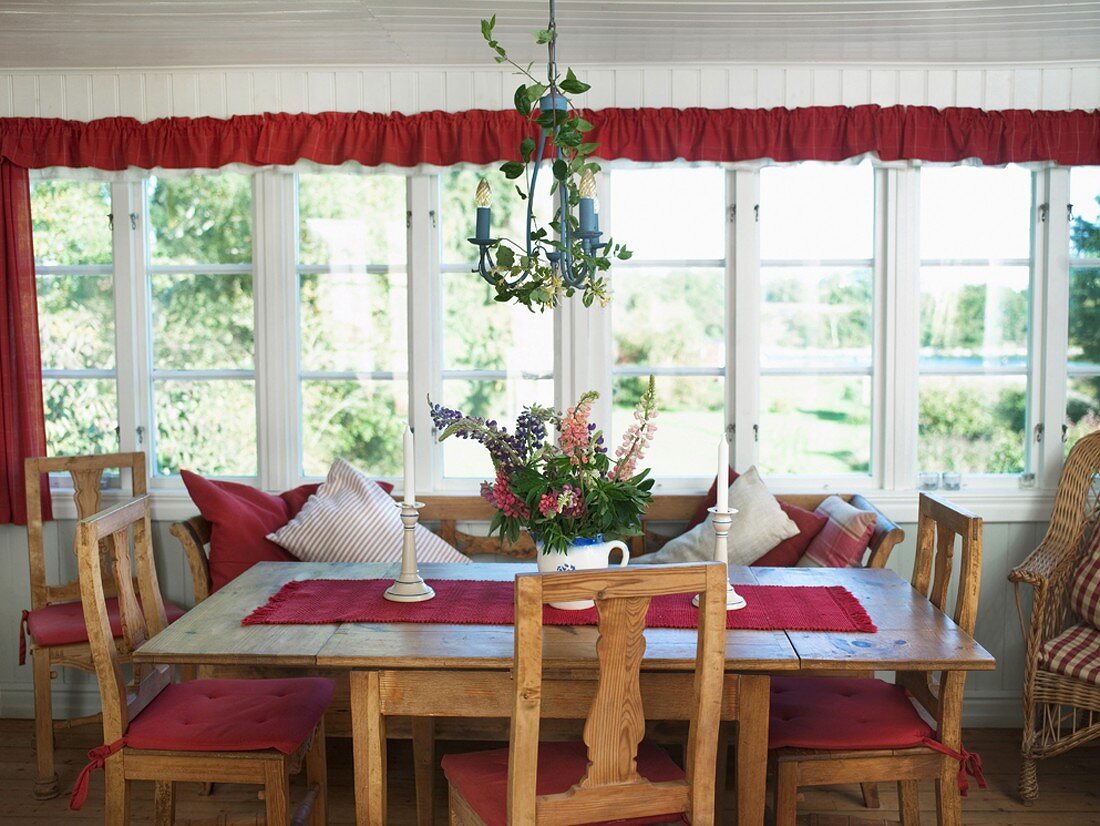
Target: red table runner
{"x": 469, "y": 602}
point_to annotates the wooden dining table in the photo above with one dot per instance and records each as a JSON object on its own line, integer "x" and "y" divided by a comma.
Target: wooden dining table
{"x": 912, "y": 635}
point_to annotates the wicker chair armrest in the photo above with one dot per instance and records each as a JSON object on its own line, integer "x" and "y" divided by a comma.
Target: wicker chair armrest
{"x": 194, "y": 535}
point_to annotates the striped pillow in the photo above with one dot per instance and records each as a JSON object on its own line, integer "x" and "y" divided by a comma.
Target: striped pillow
{"x": 351, "y": 519}
{"x": 1084, "y": 594}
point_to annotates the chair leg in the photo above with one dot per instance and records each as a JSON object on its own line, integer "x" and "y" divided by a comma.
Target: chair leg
{"x": 277, "y": 793}
{"x": 164, "y": 803}
{"x": 116, "y": 795}
{"x": 45, "y": 785}
{"x": 908, "y": 802}
{"x": 317, "y": 775}
{"x": 786, "y": 793}
{"x": 423, "y": 734}
{"x": 870, "y": 795}
{"x": 948, "y": 799}
{"x": 1029, "y": 780}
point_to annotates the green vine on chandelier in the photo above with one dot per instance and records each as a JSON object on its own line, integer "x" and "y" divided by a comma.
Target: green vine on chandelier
{"x": 532, "y": 279}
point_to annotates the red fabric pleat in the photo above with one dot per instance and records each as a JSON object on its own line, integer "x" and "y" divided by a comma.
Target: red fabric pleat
{"x": 22, "y": 420}
{"x": 822, "y": 133}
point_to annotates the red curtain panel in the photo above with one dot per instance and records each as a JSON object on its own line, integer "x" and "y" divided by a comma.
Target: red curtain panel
{"x": 22, "y": 422}
{"x": 822, "y": 133}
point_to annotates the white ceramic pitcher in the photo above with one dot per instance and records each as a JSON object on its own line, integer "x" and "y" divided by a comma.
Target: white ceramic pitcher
{"x": 582, "y": 554}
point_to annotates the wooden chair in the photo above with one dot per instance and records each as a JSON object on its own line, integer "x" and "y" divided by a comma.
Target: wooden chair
{"x": 1060, "y": 712}
{"x": 55, "y": 622}
{"x": 236, "y": 731}
{"x": 828, "y": 730}
{"x": 613, "y": 774}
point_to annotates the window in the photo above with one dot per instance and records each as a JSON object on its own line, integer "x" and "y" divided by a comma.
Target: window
{"x": 817, "y": 226}
{"x": 1083, "y": 396}
{"x": 352, "y": 297}
{"x": 668, "y": 311}
{"x": 76, "y": 315}
{"x": 495, "y": 358}
{"x": 203, "y": 380}
{"x": 975, "y": 275}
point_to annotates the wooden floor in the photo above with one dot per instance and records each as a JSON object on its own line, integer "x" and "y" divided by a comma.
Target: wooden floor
{"x": 1069, "y": 788}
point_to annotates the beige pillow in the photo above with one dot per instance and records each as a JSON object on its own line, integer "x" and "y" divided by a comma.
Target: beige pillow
{"x": 351, "y": 519}
{"x": 758, "y": 526}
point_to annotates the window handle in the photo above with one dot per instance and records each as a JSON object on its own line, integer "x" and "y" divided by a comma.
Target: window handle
{"x": 756, "y": 433}
{"x": 1040, "y": 429}
{"x": 141, "y": 435}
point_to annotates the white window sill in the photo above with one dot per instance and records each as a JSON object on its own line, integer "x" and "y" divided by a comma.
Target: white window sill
{"x": 992, "y": 504}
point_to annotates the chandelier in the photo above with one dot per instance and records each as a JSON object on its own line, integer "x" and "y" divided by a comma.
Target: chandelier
{"x": 566, "y": 256}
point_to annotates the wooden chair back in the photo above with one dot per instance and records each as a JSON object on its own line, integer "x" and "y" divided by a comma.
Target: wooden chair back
{"x": 87, "y": 477}
{"x": 939, "y": 524}
{"x": 612, "y": 788}
{"x": 103, "y": 543}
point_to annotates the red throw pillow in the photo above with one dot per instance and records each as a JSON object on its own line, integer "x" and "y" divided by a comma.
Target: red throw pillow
{"x": 787, "y": 553}
{"x": 241, "y": 517}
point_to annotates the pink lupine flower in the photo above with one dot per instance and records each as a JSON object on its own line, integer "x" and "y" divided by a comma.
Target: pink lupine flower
{"x": 637, "y": 437}
{"x": 575, "y": 438}
{"x": 504, "y": 500}
{"x": 548, "y": 504}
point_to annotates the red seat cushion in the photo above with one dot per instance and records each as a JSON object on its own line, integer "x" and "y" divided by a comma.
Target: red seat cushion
{"x": 787, "y": 553}
{"x": 241, "y": 517}
{"x": 482, "y": 776}
{"x": 63, "y": 623}
{"x": 842, "y": 714}
{"x": 232, "y": 715}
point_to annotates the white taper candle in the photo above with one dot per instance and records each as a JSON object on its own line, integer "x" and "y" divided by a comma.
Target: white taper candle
{"x": 410, "y": 473}
{"x": 722, "y": 500}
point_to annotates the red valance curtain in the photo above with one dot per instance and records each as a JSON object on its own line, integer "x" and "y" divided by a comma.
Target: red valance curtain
{"x": 440, "y": 138}
{"x": 22, "y": 423}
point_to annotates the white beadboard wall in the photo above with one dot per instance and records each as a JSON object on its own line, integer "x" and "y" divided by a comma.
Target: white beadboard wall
{"x": 992, "y": 698}
{"x": 145, "y": 95}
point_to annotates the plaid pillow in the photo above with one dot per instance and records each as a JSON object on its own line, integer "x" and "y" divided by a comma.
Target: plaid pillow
{"x": 1084, "y": 594}
{"x": 843, "y": 540}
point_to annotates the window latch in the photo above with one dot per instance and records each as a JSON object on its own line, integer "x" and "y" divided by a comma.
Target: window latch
{"x": 731, "y": 430}
{"x": 111, "y": 221}
{"x": 1065, "y": 433}
{"x": 1069, "y": 212}
{"x": 756, "y": 213}
{"x": 756, "y": 433}
{"x": 1043, "y": 210}
{"x": 1040, "y": 429}
{"x": 409, "y": 219}
{"x": 141, "y": 435}
{"x": 732, "y": 217}
{"x": 133, "y": 220}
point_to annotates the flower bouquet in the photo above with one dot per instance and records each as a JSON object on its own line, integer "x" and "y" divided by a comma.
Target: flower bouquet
{"x": 565, "y": 491}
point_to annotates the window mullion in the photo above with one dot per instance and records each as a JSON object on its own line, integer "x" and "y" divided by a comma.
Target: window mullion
{"x": 425, "y": 323}
{"x": 131, "y": 320}
{"x": 274, "y": 251}
{"x": 901, "y": 303}
{"x": 1050, "y": 325}
{"x": 743, "y": 314}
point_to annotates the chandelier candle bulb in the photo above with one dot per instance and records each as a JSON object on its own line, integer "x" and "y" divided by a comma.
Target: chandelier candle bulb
{"x": 410, "y": 472}
{"x": 484, "y": 201}
{"x": 588, "y": 201}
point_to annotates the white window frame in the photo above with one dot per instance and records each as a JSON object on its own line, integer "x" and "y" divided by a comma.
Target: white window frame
{"x": 582, "y": 340}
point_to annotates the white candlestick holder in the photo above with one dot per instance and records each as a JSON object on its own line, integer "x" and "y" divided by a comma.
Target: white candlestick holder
{"x": 409, "y": 586}
{"x": 721, "y": 524}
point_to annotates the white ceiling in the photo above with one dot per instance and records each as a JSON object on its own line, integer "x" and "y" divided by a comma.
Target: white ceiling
{"x": 151, "y": 33}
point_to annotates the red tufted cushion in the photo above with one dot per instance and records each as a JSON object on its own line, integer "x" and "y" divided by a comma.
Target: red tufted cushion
{"x": 787, "y": 552}
{"x": 482, "y": 776}
{"x": 232, "y": 715}
{"x": 842, "y": 713}
{"x": 63, "y": 623}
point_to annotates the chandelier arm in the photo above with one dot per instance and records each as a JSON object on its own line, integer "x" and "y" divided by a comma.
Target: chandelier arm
{"x": 531, "y": 190}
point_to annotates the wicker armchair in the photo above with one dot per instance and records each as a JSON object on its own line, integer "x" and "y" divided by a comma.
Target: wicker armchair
{"x": 1060, "y": 712}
